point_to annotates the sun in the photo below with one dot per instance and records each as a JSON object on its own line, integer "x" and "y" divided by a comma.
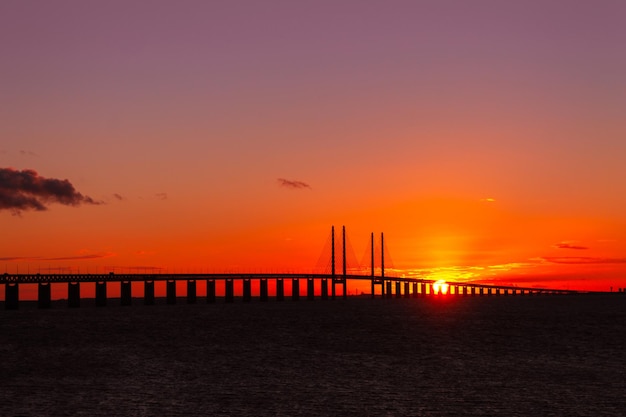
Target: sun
{"x": 440, "y": 287}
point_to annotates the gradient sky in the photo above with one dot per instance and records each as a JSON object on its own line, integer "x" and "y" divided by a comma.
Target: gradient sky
{"x": 487, "y": 139}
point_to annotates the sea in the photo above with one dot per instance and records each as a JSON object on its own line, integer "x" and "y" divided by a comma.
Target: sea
{"x": 548, "y": 355}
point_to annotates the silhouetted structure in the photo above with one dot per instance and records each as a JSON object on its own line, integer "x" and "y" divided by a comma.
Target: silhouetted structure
{"x": 407, "y": 287}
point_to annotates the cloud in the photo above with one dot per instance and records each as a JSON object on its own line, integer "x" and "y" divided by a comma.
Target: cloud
{"x": 27, "y": 190}
{"x": 161, "y": 196}
{"x": 581, "y": 260}
{"x": 61, "y": 258}
{"x": 488, "y": 200}
{"x": 27, "y": 153}
{"x": 569, "y": 245}
{"x": 81, "y": 257}
{"x": 118, "y": 196}
{"x": 292, "y": 184}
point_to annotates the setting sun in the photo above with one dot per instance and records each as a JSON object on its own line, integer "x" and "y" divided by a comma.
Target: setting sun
{"x": 440, "y": 287}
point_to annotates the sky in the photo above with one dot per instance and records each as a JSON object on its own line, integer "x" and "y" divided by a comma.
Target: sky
{"x": 486, "y": 139}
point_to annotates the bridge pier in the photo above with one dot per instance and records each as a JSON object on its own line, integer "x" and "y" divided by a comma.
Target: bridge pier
{"x": 11, "y": 296}
{"x": 73, "y": 294}
{"x": 210, "y": 290}
{"x": 388, "y": 292}
{"x": 191, "y": 291}
{"x": 171, "y": 291}
{"x": 324, "y": 289}
{"x": 398, "y": 289}
{"x": 125, "y": 293}
{"x": 473, "y": 291}
{"x": 310, "y": 289}
{"x": 420, "y": 285}
{"x": 247, "y": 290}
{"x": 263, "y": 290}
{"x": 230, "y": 291}
{"x": 406, "y": 290}
{"x": 101, "y": 294}
{"x": 295, "y": 289}
{"x": 44, "y": 295}
{"x": 280, "y": 289}
{"x": 414, "y": 290}
{"x": 148, "y": 293}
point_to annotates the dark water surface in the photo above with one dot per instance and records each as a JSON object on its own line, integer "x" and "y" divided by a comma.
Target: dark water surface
{"x": 443, "y": 356}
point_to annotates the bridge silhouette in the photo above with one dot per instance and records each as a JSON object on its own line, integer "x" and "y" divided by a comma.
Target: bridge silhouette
{"x": 390, "y": 286}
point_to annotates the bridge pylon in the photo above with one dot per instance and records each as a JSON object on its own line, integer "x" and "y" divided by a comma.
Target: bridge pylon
{"x": 341, "y": 280}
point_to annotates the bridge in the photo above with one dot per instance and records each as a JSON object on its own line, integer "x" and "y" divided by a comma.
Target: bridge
{"x": 266, "y": 285}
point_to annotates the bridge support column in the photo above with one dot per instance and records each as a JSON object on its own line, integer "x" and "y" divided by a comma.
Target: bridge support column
{"x": 148, "y": 293}
{"x": 489, "y": 291}
{"x": 506, "y": 291}
{"x": 465, "y": 290}
{"x": 44, "y": 295}
{"x": 280, "y": 289}
{"x": 230, "y": 291}
{"x": 473, "y": 291}
{"x": 388, "y": 292}
{"x": 481, "y": 291}
{"x": 73, "y": 294}
{"x": 414, "y": 290}
{"x": 210, "y": 290}
{"x": 497, "y": 291}
{"x": 310, "y": 289}
{"x": 191, "y": 291}
{"x": 171, "y": 291}
{"x": 398, "y": 289}
{"x": 263, "y": 290}
{"x": 247, "y": 290}
{"x": 101, "y": 294}
{"x": 406, "y": 290}
{"x": 11, "y": 296}
{"x": 295, "y": 289}
{"x": 422, "y": 291}
{"x": 125, "y": 293}
{"x": 324, "y": 289}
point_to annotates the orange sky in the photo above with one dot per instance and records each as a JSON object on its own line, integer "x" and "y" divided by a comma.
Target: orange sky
{"x": 485, "y": 139}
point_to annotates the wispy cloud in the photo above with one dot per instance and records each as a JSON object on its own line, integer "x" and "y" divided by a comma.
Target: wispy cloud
{"x": 582, "y": 260}
{"x": 81, "y": 257}
{"x": 292, "y": 184}
{"x": 27, "y": 190}
{"x": 569, "y": 245}
{"x": 59, "y": 258}
{"x": 27, "y": 153}
{"x": 118, "y": 196}
{"x": 488, "y": 200}
{"x": 161, "y": 196}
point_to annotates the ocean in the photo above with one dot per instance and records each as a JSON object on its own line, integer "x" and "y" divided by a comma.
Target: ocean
{"x": 436, "y": 356}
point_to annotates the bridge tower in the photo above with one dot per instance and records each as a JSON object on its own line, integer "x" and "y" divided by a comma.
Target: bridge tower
{"x": 339, "y": 280}
{"x": 378, "y": 280}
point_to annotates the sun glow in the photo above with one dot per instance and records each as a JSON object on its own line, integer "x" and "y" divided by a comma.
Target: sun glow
{"x": 440, "y": 287}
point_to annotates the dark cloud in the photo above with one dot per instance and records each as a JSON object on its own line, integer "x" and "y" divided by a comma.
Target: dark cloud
{"x": 161, "y": 196}
{"x": 27, "y": 190}
{"x": 583, "y": 260}
{"x": 292, "y": 184}
{"x": 566, "y": 245}
{"x": 117, "y": 196}
{"x": 61, "y": 258}
{"x": 80, "y": 257}
{"x": 20, "y": 258}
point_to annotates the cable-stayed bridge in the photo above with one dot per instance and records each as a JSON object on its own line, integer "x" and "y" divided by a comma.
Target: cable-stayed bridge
{"x": 330, "y": 283}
